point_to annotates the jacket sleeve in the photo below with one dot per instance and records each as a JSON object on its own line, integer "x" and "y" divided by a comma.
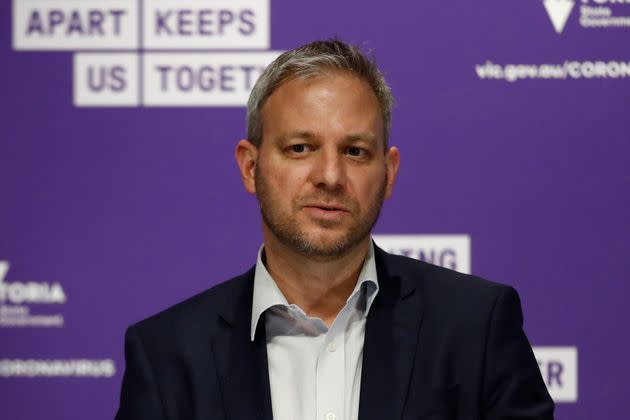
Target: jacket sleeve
{"x": 513, "y": 386}
{"x": 139, "y": 397}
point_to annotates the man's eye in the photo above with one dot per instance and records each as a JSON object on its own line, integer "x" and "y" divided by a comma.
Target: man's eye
{"x": 298, "y": 148}
{"x": 355, "y": 151}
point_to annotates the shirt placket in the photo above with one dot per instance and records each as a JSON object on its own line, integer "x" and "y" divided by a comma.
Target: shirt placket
{"x": 331, "y": 386}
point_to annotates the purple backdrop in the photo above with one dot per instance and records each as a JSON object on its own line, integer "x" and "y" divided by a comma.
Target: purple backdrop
{"x": 131, "y": 209}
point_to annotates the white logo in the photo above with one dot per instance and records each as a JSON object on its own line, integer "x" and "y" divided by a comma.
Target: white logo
{"x": 558, "y": 367}
{"x": 15, "y": 297}
{"x": 28, "y": 292}
{"x": 593, "y": 14}
{"x": 558, "y": 11}
{"x": 449, "y": 251}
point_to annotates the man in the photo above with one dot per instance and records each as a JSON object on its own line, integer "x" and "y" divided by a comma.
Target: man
{"x": 326, "y": 326}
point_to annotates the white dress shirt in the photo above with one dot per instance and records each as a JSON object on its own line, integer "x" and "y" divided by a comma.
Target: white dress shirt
{"x": 314, "y": 371}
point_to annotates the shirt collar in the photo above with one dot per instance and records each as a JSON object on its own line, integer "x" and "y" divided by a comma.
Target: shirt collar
{"x": 267, "y": 294}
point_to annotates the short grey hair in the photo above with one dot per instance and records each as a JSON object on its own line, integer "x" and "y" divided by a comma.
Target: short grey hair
{"x": 314, "y": 60}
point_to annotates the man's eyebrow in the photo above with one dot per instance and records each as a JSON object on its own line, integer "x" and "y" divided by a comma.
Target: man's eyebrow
{"x": 308, "y": 135}
{"x": 367, "y": 137}
{"x": 297, "y": 134}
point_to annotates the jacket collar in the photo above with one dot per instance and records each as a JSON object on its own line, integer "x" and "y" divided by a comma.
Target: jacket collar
{"x": 391, "y": 341}
{"x": 241, "y": 363}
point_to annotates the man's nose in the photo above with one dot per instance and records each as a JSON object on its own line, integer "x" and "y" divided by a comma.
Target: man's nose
{"x": 328, "y": 169}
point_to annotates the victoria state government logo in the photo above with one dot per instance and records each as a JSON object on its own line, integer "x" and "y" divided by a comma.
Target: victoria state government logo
{"x": 593, "y": 13}
{"x": 17, "y": 297}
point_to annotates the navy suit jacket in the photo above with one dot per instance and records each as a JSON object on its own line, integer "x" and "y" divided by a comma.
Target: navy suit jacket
{"x": 438, "y": 345}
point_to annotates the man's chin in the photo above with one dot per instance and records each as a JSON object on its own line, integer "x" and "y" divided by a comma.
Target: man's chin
{"x": 326, "y": 237}
{"x": 326, "y": 244}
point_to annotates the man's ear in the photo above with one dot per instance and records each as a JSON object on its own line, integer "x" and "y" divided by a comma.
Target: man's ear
{"x": 392, "y": 162}
{"x": 246, "y": 156}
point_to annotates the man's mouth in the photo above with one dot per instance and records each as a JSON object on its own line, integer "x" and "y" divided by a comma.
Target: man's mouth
{"x": 330, "y": 212}
{"x": 327, "y": 207}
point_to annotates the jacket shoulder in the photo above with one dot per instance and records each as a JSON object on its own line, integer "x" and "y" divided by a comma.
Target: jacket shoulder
{"x": 461, "y": 306}
{"x": 198, "y": 312}
{"x": 442, "y": 285}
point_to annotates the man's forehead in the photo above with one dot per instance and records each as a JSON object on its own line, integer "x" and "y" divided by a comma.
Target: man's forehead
{"x": 297, "y": 83}
{"x": 340, "y": 89}
{"x": 334, "y": 102}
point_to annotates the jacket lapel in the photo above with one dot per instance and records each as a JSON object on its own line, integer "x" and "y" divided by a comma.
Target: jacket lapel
{"x": 391, "y": 339}
{"x": 241, "y": 363}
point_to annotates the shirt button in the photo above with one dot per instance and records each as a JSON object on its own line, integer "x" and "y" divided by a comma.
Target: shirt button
{"x": 331, "y": 416}
{"x": 332, "y": 346}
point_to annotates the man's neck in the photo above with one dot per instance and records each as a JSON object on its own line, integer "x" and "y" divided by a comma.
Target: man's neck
{"x": 320, "y": 286}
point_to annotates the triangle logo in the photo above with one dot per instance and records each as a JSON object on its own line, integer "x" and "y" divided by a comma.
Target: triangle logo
{"x": 559, "y": 11}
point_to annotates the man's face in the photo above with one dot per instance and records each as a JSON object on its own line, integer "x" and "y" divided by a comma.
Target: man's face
{"x": 321, "y": 173}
